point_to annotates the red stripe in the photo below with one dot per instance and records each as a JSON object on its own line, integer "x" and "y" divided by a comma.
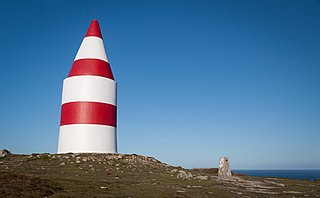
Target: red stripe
{"x": 94, "y": 29}
{"x": 95, "y": 67}
{"x": 88, "y": 113}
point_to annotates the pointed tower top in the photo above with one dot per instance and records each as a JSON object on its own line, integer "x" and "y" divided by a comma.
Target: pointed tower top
{"x": 94, "y": 29}
{"x": 91, "y": 58}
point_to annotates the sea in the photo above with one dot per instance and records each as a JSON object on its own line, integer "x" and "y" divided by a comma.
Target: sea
{"x": 293, "y": 174}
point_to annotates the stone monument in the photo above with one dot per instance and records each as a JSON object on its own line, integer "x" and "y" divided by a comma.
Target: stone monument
{"x": 224, "y": 167}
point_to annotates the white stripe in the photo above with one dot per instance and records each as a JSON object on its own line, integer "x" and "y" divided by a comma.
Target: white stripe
{"x": 89, "y": 88}
{"x": 92, "y": 47}
{"x": 87, "y": 138}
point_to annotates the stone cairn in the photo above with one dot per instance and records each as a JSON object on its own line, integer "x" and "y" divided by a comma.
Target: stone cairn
{"x": 224, "y": 168}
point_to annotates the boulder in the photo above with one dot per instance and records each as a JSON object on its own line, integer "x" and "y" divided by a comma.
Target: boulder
{"x": 4, "y": 153}
{"x": 184, "y": 175}
{"x": 200, "y": 177}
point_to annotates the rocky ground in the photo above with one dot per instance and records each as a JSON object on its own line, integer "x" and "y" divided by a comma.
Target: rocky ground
{"x": 119, "y": 175}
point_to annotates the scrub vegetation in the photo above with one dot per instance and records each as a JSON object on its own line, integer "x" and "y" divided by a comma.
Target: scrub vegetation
{"x": 118, "y": 175}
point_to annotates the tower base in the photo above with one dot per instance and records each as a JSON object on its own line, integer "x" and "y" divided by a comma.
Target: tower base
{"x": 87, "y": 138}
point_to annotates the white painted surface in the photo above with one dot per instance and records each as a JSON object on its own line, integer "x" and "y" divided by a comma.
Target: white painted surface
{"x": 89, "y": 88}
{"x": 87, "y": 138}
{"x": 92, "y": 47}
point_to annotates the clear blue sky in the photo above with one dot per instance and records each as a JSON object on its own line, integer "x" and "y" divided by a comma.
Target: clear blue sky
{"x": 196, "y": 79}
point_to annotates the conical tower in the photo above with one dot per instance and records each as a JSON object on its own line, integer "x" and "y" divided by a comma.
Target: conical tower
{"x": 88, "y": 109}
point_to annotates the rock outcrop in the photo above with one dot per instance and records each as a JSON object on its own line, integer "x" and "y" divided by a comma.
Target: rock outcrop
{"x": 4, "y": 153}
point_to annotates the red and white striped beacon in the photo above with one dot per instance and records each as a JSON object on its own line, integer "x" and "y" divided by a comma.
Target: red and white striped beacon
{"x": 89, "y": 97}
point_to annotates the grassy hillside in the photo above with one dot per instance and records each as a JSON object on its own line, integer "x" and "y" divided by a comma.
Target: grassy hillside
{"x": 118, "y": 175}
